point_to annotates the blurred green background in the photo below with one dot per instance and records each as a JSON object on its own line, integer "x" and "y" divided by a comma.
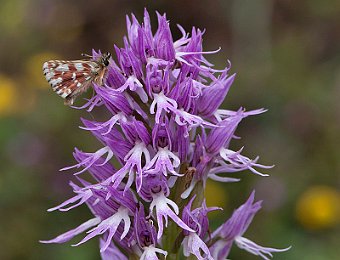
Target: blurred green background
{"x": 287, "y": 57}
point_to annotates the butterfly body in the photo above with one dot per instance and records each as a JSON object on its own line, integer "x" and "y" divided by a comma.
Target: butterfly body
{"x": 71, "y": 78}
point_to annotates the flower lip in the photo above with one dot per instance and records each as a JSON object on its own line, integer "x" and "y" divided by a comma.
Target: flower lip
{"x": 145, "y": 231}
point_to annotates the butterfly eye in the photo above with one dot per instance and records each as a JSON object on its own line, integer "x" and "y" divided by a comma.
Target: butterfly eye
{"x": 106, "y": 62}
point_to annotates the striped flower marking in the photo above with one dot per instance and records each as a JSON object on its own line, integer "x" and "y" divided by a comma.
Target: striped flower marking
{"x": 71, "y": 78}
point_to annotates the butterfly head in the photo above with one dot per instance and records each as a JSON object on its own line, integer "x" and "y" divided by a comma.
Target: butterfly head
{"x": 105, "y": 59}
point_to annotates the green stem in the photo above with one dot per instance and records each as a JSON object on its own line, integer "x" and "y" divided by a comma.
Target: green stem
{"x": 199, "y": 192}
{"x": 133, "y": 257}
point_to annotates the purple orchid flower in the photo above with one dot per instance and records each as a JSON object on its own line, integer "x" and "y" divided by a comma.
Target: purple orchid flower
{"x": 233, "y": 230}
{"x": 163, "y": 137}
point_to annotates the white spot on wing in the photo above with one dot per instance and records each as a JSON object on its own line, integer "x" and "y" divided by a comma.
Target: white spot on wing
{"x": 45, "y": 66}
{"x": 64, "y": 94}
{"x": 62, "y": 67}
{"x": 73, "y": 75}
{"x": 79, "y": 66}
{"x": 55, "y": 82}
{"x": 49, "y": 75}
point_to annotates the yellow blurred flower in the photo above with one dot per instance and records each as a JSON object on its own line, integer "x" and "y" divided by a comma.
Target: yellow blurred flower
{"x": 215, "y": 194}
{"x": 33, "y": 68}
{"x": 318, "y": 207}
{"x": 8, "y": 95}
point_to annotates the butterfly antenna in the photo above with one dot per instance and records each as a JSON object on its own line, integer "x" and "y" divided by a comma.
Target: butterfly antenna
{"x": 86, "y": 55}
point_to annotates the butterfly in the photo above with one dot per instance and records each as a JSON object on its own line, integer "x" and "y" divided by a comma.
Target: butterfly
{"x": 71, "y": 78}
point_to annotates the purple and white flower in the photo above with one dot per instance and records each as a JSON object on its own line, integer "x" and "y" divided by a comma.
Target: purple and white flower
{"x": 232, "y": 232}
{"x": 164, "y": 136}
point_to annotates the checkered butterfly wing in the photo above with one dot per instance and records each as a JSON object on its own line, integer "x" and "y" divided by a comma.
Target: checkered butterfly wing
{"x": 71, "y": 78}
